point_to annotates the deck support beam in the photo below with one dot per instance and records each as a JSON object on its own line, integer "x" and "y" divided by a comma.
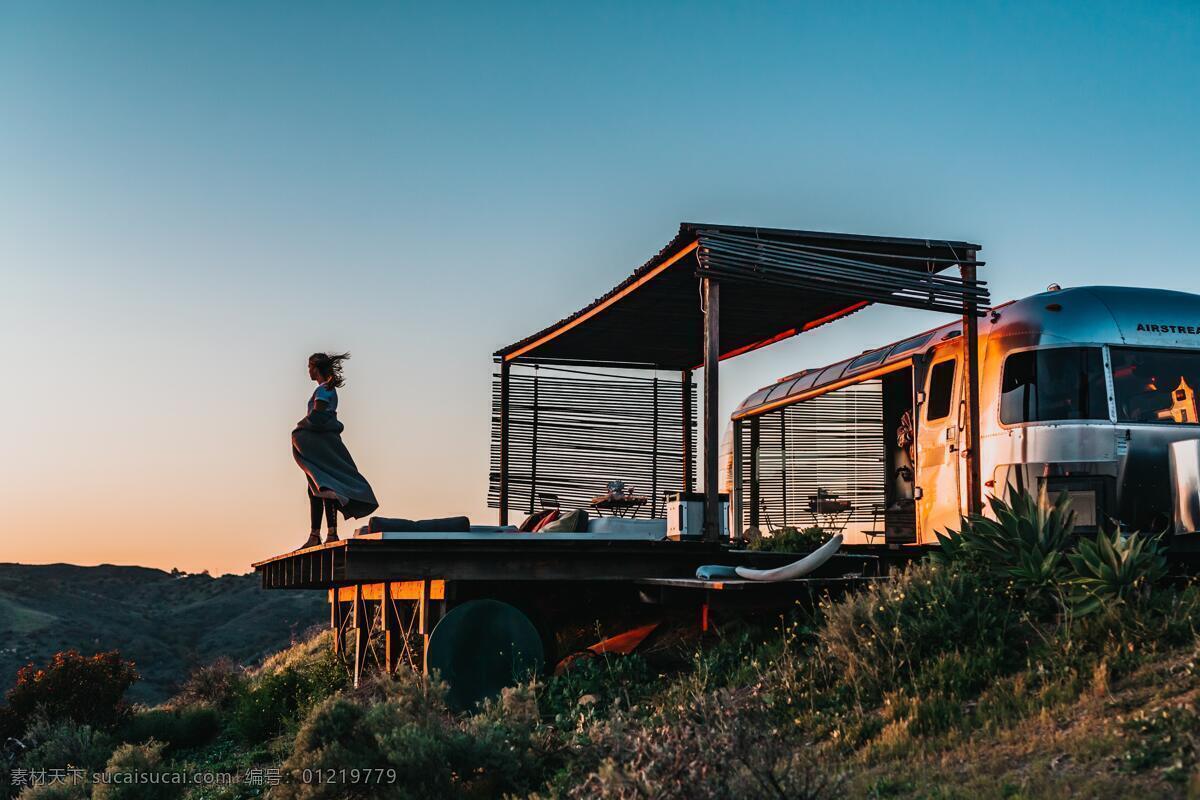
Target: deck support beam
{"x": 337, "y": 620}
{"x": 971, "y": 389}
{"x": 424, "y": 626}
{"x": 361, "y": 633}
{"x": 393, "y": 638}
{"x": 711, "y": 290}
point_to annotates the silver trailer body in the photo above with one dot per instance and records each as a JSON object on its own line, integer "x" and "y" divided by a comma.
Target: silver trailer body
{"x": 1084, "y": 390}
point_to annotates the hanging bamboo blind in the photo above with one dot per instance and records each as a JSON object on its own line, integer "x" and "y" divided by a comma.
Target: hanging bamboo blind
{"x": 572, "y": 431}
{"x": 832, "y": 442}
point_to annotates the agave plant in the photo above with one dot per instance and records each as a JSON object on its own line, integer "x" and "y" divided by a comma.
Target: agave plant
{"x": 1114, "y": 568}
{"x": 1025, "y": 544}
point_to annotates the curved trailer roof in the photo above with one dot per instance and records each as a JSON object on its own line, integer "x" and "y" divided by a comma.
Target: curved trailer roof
{"x": 1095, "y": 314}
{"x": 870, "y": 363}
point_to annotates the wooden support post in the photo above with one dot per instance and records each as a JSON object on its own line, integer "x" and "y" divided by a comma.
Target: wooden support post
{"x": 689, "y": 457}
{"x": 971, "y": 389}
{"x": 423, "y": 625}
{"x": 393, "y": 644}
{"x": 735, "y": 490}
{"x": 712, "y": 419}
{"x": 504, "y": 420}
{"x": 360, "y": 634}
{"x": 755, "y": 494}
{"x": 336, "y": 621}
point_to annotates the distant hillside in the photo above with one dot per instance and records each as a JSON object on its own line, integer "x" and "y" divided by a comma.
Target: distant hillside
{"x": 166, "y": 623}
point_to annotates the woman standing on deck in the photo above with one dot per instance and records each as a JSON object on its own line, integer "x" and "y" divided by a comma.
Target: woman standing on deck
{"x": 334, "y": 483}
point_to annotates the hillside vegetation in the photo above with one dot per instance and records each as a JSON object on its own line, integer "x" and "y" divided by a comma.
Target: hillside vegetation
{"x": 1020, "y": 663}
{"x": 166, "y": 623}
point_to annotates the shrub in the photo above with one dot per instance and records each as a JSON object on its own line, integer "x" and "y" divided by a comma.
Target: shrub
{"x": 722, "y": 745}
{"x": 1024, "y": 548}
{"x": 65, "y": 744}
{"x": 610, "y": 679}
{"x": 1161, "y": 738}
{"x": 790, "y": 539}
{"x": 137, "y": 772}
{"x": 56, "y": 790}
{"x": 401, "y": 725}
{"x": 88, "y": 690}
{"x": 177, "y": 729}
{"x": 1030, "y": 550}
{"x": 334, "y": 737}
{"x": 265, "y": 706}
{"x": 1113, "y": 569}
{"x": 214, "y": 684}
{"x": 932, "y": 627}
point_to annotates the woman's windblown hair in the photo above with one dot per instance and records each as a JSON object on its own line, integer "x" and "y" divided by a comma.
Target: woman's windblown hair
{"x": 329, "y": 365}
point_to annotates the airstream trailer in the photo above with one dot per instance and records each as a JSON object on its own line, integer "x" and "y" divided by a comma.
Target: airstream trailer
{"x": 1088, "y": 390}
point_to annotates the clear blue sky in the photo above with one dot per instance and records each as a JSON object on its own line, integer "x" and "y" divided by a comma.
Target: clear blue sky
{"x": 194, "y": 196}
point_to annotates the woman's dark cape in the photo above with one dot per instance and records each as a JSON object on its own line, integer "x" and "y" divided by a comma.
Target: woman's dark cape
{"x": 318, "y": 449}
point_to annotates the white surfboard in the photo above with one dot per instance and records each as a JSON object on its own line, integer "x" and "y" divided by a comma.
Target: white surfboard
{"x": 797, "y": 569}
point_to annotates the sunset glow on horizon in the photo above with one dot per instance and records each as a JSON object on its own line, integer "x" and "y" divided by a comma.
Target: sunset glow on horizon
{"x": 194, "y": 197}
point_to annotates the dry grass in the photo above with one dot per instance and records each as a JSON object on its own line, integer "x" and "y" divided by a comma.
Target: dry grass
{"x": 1081, "y": 749}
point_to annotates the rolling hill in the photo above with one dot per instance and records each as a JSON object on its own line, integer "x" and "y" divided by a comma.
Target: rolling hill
{"x": 167, "y": 623}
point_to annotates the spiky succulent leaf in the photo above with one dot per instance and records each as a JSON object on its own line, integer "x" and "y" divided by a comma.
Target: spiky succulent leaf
{"x": 1113, "y": 569}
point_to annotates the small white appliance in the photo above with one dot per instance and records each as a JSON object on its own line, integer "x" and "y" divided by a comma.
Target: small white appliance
{"x": 685, "y": 516}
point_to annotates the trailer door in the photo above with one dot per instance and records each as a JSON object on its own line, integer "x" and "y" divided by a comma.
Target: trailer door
{"x": 937, "y": 449}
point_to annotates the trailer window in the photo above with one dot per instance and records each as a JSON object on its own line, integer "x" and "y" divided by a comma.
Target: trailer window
{"x": 941, "y": 390}
{"x": 1055, "y": 384}
{"x": 1156, "y": 385}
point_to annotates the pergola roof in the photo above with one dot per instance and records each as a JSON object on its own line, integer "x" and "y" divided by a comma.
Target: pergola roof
{"x": 775, "y": 283}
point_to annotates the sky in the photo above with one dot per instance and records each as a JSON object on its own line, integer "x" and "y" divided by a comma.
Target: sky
{"x": 194, "y": 196}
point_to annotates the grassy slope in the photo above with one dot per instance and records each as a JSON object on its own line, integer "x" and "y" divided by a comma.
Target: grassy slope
{"x": 1133, "y": 739}
{"x": 1083, "y": 713}
{"x": 1126, "y": 737}
{"x": 166, "y": 624}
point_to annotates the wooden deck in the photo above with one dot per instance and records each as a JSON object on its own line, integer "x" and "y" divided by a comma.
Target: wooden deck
{"x": 387, "y": 595}
{"x": 528, "y": 558}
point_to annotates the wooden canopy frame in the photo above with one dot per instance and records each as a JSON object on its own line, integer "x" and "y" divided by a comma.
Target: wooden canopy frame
{"x": 719, "y": 291}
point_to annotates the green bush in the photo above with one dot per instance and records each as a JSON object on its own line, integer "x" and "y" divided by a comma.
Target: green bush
{"x": 138, "y": 772}
{"x": 724, "y": 744}
{"x": 65, "y": 744}
{"x": 57, "y": 790}
{"x": 1114, "y": 569}
{"x": 1023, "y": 549}
{"x": 214, "y": 684}
{"x": 1030, "y": 551}
{"x": 402, "y": 726}
{"x": 611, "y": 680}
{"x": 934, "y": 627}
{"x": 1161, "y": 739}
{"x": 264, "y": 706}
{"x": 177, "y": 729}
{"x": 86, "y": 689}
{"x": 790, "y": 539}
